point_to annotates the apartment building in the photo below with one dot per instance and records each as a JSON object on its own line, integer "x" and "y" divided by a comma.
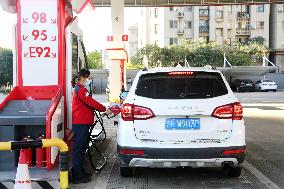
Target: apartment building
{"x": 133, "y": 40}
{"x": 220, "y": 24}
{"x": 277, "y": 35}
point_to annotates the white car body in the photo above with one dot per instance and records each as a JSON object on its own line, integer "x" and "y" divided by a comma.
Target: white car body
{"x": 155, "y": 143}
{"x": 265, "y": 85}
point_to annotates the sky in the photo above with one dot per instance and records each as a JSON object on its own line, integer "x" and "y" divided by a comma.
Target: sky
{"x": 95, "y": 24}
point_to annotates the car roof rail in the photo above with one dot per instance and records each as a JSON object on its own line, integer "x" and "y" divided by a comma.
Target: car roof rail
{"x": 208, "y": 66}
{"x": 145, "y": 69}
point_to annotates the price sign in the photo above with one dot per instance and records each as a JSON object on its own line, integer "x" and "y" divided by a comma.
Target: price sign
{"x": 39, "y": 39}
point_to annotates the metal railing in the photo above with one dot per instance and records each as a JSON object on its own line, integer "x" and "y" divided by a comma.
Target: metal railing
{"x": 243, "y": 15}
{"x": 204, "y": 29}
{"x": 242, "y": 31}
{"x": 44, "y": 143}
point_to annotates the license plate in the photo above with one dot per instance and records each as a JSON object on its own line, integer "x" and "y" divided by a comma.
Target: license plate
{"x": 182, "y": 124}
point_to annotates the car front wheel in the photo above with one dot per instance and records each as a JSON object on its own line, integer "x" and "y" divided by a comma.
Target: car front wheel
{"x": 127, "y": 171}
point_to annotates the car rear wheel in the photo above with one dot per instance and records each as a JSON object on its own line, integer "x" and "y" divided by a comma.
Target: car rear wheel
{"x": 232, "y": 172}
{"x": 274, "y": 90}
{"x": 127, "y": 171}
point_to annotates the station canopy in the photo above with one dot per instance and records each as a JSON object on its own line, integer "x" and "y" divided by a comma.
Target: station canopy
{"x": 10, "y": 5}
{"x": 162, "y": 3}
{"x": 247, "y": 70}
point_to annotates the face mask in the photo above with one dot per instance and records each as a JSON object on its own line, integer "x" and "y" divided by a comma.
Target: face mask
{"x": 88, "y": 82}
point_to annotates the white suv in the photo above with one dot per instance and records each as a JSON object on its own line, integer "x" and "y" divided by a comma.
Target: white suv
{"x": 179, "y": 117}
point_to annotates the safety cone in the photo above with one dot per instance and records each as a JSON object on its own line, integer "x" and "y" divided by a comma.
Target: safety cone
{"x": 23, "y": 180}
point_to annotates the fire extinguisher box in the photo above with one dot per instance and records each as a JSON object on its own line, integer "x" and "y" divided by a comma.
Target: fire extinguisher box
{"x": 22, "y": 116}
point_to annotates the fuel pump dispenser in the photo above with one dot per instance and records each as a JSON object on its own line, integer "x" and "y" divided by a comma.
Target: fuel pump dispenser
{"x": 48, "y": 53}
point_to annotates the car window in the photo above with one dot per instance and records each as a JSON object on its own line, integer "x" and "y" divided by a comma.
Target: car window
{"x": 199, "y": 85}
{"x": 267, "y": 81}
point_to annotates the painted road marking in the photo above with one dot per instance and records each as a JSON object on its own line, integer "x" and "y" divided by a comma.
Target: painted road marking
{"x": 262, "y": 178}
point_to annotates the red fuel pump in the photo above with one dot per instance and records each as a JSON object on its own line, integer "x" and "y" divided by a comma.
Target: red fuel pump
{"x": 28, "y": 152}
{"x": 41, "y": 154}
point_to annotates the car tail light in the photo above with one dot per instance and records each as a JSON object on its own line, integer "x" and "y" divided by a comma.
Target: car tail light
{"x": 232, "y": 111}
{"x": 234, "y": 152}
{"x": 131, "y": 112}
{"x": 131, "y": 152}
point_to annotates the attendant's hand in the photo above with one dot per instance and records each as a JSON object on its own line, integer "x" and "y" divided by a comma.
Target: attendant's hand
{"x": 108, "y": 111}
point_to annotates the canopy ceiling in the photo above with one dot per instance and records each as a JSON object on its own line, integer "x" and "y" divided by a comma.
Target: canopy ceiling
{"x": 10, "y": 5}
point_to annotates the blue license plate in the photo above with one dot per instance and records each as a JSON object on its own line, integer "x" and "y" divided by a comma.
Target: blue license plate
{"x": 182, "y": 124}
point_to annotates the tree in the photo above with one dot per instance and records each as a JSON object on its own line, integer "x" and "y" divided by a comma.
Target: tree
{"x": 201, "y": 53}
{"x": 94, "y": 60}
{"x": 6, "y": 66}
{"x": 259, "y": 40}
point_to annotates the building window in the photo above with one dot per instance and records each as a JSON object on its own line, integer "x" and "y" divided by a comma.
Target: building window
{"x": 219, "y": 14}
{"x": 204, "y": 23}
{"x": 219, "y": 32}
{"x": 156, "y": 28}
{"x": 189, "y": 8}
{"x": 203, "y": 12}
{"x": 230, "y": 40}
{"x": 173, "y": 41}
{"x": 171, "y": 8}
{"x": 173, "y": 24}
{"x": 156, "y": 12}
{"x": 230, "y": 8}
{"x": 243, "y": 8}
{"x": 187, "y": 24}
{"x": 260, "y": 8}
{"x": 205, "y": 39}
{"x": 260, "y": 25}
{"x": 282, "y": 24}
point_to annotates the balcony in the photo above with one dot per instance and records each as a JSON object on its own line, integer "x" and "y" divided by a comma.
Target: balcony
{"x": 180, "y": 14}
{"x": 243, "y": 16}
{"x": 203, "y": 29}
{"x": 242, "y": 31}
{"x": 204, "y": 12}
{"x": 180, "y": 32}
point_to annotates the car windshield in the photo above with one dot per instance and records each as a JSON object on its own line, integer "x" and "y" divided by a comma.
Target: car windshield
{"x": 199, "y": 85}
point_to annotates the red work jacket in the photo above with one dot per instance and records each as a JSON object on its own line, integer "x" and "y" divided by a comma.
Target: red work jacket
{"x": 83, "y": 106}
